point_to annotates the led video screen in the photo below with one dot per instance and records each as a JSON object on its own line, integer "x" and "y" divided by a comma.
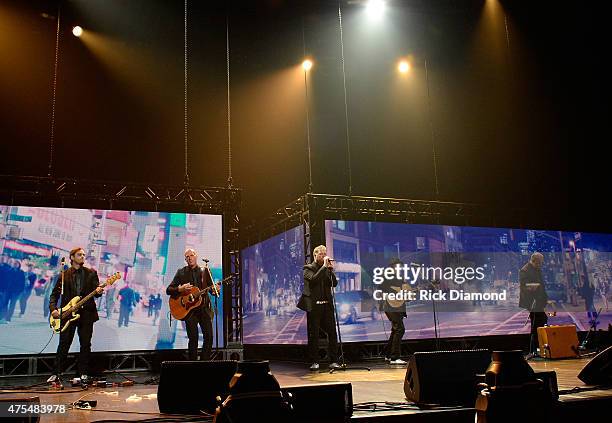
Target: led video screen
{"x": 461, "y": 281}
{"x": 146, "y": 248}
{"x": 272, "y": 283}
{"x": 468, "y": 275}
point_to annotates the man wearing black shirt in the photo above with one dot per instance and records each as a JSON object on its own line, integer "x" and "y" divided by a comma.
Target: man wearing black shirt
{"x": 319, "y": 280}
{"x": 395, "y": 312}
{"x": 78, "y": 281}
{"x": 533, "y": 297}
{"x": 187, "y": 277}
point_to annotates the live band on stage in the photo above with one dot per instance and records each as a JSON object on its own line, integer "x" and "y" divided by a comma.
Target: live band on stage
{"x": 73, "y": 309}
{"x": 72, "y": 306}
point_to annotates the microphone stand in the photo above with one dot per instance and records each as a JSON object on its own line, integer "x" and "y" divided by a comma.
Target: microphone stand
{"x": 342, "y": 361}
{"x": 216, "y": 315}
{"x": 57, "y": 379}
{"x": 530, "y": 331}
{"x": 592, "y": 329}
{"x": 435, "y": 316}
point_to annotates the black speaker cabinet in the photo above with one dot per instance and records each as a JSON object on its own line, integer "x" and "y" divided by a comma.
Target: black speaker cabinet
{"x": 322, "y": 403}
{"x": 190, "y": 387}
{"x": 598, "y": 371}
{"x": 445, "y": 377}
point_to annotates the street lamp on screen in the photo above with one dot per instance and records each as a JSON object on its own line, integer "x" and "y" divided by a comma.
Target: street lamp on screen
{"x": 307, "y": 65}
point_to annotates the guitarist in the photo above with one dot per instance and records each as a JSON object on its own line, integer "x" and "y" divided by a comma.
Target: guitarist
{"x": 78, "y": 281}
{"x": 395, "y": 313}
{"x": 186, "y": 277}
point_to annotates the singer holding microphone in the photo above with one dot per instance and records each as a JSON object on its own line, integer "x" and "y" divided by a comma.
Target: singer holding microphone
{"x": 186, "y": 277}
{"x": 319, "y": 280}
{"x": 78, "y": 280}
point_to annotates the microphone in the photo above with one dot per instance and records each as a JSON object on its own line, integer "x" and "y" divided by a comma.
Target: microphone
{"x": 205, "y": 260}
{"x": 63, "y": 261}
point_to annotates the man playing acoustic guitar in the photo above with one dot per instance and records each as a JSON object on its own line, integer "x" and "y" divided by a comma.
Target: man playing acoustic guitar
{"x": 80, "y": 281}
{"x": 187, "y": 277}
{"x": 395, "y": 311}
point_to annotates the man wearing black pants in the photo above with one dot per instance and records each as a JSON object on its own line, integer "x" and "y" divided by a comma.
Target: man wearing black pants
{"x": 395, "y": 312}
{"x": 78, "y": 281}
{"x": 187, "y": 277}
{"x": 533, "y": 297}
{"x": 319, "y": 280}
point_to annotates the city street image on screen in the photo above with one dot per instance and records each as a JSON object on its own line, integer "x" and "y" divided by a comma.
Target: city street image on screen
{"x": 145, "y": 248}
{"x": 272, "y": 283}
{"x": 473, "y": 272}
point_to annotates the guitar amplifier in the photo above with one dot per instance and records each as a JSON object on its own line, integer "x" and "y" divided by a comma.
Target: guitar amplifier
{"x": 558, "y": 341}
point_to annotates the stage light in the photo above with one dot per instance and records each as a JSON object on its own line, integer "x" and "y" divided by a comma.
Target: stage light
{"x": 403, "y": 66}
{"x": 375, "y": 8}
{"x": 307, "y": 65}
{"x": 77, "y": 31}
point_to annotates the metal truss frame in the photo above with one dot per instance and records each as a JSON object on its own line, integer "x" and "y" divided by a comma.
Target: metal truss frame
{"x": 44, "y": 365}
{"x": 312, "y": 209}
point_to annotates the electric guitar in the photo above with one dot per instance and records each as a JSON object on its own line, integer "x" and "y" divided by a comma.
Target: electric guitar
{"x": 191, "y": 298}
{"x": 68, "y": 313}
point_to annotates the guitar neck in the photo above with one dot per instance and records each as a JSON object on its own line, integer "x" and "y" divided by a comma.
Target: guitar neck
{"x": 203, "y": 291}
{"x": 82, "y": 301}
{"x": 209, "y": 288}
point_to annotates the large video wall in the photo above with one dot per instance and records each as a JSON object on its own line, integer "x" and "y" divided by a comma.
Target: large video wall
{"x": 272, "y": 283}
{"x": 146, "y": 248}
{"x": 468, "y": 276}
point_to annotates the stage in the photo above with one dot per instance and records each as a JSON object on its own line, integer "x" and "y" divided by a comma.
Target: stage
{"x": 382, "y": 385}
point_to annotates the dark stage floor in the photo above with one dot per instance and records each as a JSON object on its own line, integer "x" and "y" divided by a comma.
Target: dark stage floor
{"x": 382, "y": 384}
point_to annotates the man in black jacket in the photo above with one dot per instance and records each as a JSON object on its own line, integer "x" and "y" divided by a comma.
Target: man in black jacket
{"x": 187, "y": 277}
{"x": 533, "y": 297}
{"x": 395, "y": 312}
{"x": 78, "y": 281}
{"x": 319, "y": 280}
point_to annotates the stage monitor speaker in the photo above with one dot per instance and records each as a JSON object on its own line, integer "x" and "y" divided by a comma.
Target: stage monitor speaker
{"x": 598, "y": 371}
{"x": 328, "y": 402}
{"x": 190, "y": 387}
{"x": 445, "y": 377}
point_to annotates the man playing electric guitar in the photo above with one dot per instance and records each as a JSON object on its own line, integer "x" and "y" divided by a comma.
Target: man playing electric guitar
{"x": 80, "y": 281}
{"x": 187, "y": 277}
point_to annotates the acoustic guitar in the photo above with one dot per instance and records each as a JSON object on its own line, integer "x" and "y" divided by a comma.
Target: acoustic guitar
{"x": 192, "y": 298}
{"x": 68, "y": 313}
{"x": 399, "y": 303}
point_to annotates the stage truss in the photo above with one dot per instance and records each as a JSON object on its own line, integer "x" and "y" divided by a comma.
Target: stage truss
{"x": 312, "y": 209}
